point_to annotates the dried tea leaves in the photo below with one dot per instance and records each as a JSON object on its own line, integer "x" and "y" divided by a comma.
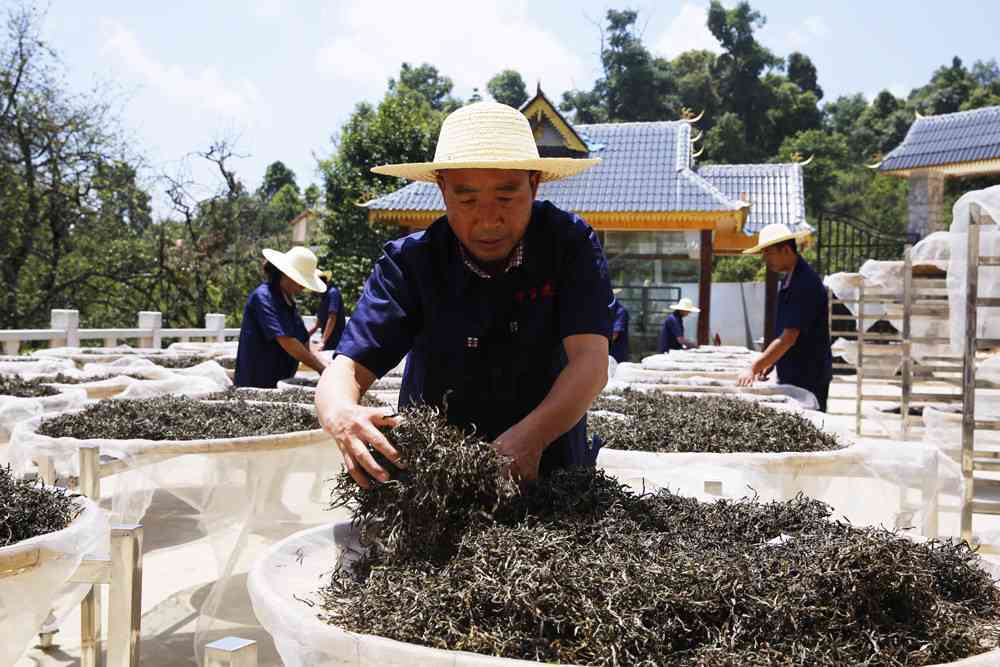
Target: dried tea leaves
{"x": 29, "y": 509}
{"x": 61, "y": 378}
{"x": 579, "y": 569}
{"x": 660, "y": 422}
{"x": 177, "y": 362}
{"x": 300, "y": 396}
{"x": 13, "y": 385}
{"x": 302, "y": 382}
{"x": 178, "y": 418}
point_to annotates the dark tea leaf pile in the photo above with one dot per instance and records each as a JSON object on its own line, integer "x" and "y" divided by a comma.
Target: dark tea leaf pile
{"x": 579, "y": 569}
{"x": 14, "y": 385}
{"x": 178, "y": 418}
{"x": 29, "y": 509}
{"x": 302, "y": 382}
{"x": 300, "y": 396}
{"x": 661, "y": 422}
{"x": 62, "y": 378}
{"x": 178, "y": 362}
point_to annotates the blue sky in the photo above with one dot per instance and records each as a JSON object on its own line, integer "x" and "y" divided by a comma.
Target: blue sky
{"x": 282, "y": 76}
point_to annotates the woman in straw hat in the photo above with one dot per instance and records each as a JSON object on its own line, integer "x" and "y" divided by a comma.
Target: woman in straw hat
{"x": 801, "y": 352}
{"x": 502, "y": 304}
{"x": 672, "y": 333}
{"x": 273, "y": 338}
{"x": 330, "y": 318}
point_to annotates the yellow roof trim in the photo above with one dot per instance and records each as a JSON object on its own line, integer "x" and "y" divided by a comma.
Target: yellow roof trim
{"x": 539, "y": 104}
{"x": 609, "y": 220}
{"x": 954, "y": 168}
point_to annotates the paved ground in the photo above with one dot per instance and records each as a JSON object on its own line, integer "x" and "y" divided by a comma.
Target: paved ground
{"x": 180, "y": 567}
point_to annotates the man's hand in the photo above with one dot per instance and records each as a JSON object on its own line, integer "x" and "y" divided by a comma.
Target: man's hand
{"x": 526, "y": 452}
{"x": 353, "y": 427}
{"x": 756, "y": 372}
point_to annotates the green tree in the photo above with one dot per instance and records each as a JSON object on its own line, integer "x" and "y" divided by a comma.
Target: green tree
{"x": 426, "y": 81}
{"x": 508, "y": 88}
{"x": 830, "y": 155}
{"x": 802, "y": 73}
{"x": 740, "y": 67}
{"x": 726, "y": 142}
{"x": 949, "y": 88}
{"x": 276, "y": 177}
{"x": 403, "y": 127}
{"x": 71, "y": 207}
{"x": 312, "y": 196}
{"x": 696, "y": 85}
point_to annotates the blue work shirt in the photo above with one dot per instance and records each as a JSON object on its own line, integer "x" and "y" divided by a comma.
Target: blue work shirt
{"x": 672, "y": 332}
{"x": 802, "y": 305}
{"x": 331, "y": 303}
{"x": 620, "y": 317}
{"x": 489, "y": 348}
{"x": 260, "y": 359}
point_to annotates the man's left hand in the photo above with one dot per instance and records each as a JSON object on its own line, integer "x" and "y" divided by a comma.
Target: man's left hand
{"x": 525, "y": 451}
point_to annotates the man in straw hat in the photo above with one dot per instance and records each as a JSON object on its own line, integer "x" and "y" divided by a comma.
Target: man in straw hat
{"x": 502, "y": 305}
{"x": 801, "y": 351}
{"x": 672, "y": 333}
{"x": 273, "y": 338}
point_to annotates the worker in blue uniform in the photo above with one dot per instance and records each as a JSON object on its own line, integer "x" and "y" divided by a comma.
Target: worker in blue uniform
{"x": 619, "y": 330}
{"x": 502, "y": 305}
{"x": 801, "y": 351}
{"x": 273, "y": 338}
{"x": 330, "y": 316}
{"x": 672, "y": 334}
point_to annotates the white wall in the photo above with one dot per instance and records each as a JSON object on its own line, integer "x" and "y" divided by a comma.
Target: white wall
{"x": 734, "y": 307}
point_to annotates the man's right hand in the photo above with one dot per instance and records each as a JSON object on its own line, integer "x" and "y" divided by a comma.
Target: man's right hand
{"x": 353, "y": 427}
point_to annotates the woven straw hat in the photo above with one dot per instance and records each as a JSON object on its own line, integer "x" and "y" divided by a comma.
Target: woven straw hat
{"x": 687, "y": 305}
{"x": 775, "y": 233}
{"x": 299, "y": 264}
{"x": 487, "y": 135}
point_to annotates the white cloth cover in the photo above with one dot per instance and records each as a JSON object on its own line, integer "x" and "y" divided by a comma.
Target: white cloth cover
{"x": 35, "y": 365}
{"x": 293, "y": 569}
{"x": 27, "y": 597}
{"x": 14, "y": 409}
{"x": 989, "y": 277}
{"x": 242, "y": 489}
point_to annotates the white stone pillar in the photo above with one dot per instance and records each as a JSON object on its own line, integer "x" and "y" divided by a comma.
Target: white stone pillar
{"x": 67, "y": 321}
{"x": 215, "y": 324}
{"x": 153, "y": 321}
{"x": 11, "y": 347}
{"x": 925, "y": 203}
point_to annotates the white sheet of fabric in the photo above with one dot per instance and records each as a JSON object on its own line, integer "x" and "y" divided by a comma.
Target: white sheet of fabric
{"x": 27, "y": 597}
{"x": 989, "y": 277}
{"x": 34, "y": 365}
{"x": 14, "y": 409}
{"x": 293, "y": 569}
{"x": 98, "y": 354}
{"x": 258, "y": 488}
{"x": 208, "y": 350}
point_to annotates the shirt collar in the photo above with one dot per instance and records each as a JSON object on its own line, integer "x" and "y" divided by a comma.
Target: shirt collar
{"x": 787, "y": 280}
{"x": 516, "y": 259}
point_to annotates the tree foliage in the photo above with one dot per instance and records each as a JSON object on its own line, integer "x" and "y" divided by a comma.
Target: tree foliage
{"x": 508, "y": 88}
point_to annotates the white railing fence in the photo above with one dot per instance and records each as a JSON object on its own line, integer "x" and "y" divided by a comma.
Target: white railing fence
{"x": 65, "y": 331}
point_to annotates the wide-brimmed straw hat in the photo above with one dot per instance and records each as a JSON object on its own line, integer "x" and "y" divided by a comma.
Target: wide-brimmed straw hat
{"x": 299, "y": 264}
{"x": 687, "y": 305}
{"x": 487, "y": 135}
{"x": 775, "y": 233}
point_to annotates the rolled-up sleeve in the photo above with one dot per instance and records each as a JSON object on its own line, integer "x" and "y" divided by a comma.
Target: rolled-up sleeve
{"x": 584, "y": 287}
{"x": 382, "y": 329}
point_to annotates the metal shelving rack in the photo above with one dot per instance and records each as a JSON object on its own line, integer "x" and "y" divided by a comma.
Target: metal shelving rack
{"x": 924, "y": 297}
{"x": 979, "y": 495}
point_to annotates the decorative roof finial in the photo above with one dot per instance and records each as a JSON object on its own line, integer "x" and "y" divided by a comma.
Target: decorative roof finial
{"x": 688, "y": 116}
{"x": 877, "y": 157}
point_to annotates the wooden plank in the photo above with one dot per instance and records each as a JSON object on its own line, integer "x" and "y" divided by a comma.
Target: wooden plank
{"x": 770, "y": 306}
{"x": 705, "y": 288}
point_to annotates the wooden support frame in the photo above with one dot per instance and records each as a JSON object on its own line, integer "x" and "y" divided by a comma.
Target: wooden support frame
{"x": 705, "y": 288}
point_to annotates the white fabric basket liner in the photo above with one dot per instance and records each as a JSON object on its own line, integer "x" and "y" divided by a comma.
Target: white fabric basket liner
{"x": 101, "y": 354}
{"x": 15, "y": 409}
{"x": 297, "y": 566}
{"x": 27, "y": 596}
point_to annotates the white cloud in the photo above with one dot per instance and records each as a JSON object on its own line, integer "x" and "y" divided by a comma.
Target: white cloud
{"x": 467, "y": 41}
{"x": 688, "y": 30}
{"x": 811, "y": 30}
{"x": 206, "y": 88}
{"x": 267, "y": 9}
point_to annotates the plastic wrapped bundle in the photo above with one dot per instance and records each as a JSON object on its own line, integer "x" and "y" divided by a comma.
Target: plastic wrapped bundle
{"x": 34, "y": 572}
{"x": 988, "y": 324}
